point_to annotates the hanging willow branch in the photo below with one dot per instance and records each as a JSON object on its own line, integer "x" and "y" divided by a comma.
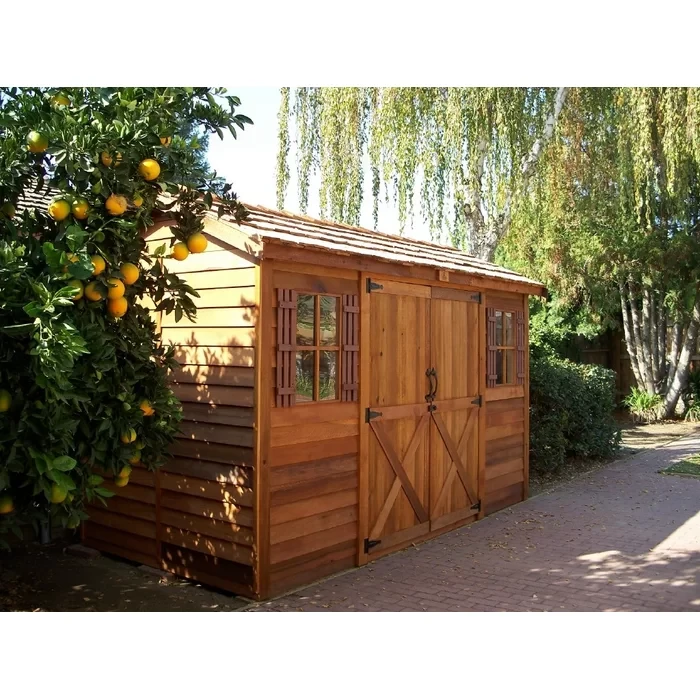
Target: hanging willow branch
{"x": 283, "y": 153}
{"x": 468, "y": 153}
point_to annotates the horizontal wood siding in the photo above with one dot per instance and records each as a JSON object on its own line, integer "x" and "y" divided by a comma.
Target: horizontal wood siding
{"x": 198, "y": 518}
{"x": 312, "y": 469}
{"x": 126, "y": 525}
{"x": 506, "y": 429}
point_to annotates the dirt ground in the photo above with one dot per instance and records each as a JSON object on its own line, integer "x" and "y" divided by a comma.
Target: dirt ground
{"x": 47, "y": 578}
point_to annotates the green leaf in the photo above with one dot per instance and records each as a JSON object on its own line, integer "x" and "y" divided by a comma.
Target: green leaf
{"x": 61, "y": 479}
{"x": 63, "y": 464}
{"x": 95, "y": 480}
{"x": 105, "y": 493}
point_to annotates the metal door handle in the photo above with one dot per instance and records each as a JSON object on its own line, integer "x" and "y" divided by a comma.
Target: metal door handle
{"x": 436, "y": 383}
{"x": 431, "y": 394}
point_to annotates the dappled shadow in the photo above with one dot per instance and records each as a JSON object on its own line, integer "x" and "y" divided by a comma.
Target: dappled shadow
{"x": 203, "y": 508}
{"x": 623, "y": 538}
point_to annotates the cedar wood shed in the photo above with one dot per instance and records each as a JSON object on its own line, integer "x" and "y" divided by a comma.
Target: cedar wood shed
{"x": 346, "y": 393}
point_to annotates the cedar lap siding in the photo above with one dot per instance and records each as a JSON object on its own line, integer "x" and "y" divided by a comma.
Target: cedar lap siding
{"x": 345, "y": 393}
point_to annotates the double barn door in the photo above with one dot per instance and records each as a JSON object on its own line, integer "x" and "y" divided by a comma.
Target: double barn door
{"x": 423, "y": 451}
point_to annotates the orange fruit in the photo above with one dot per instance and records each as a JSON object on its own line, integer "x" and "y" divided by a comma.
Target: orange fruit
{"x": 60, "y": 100}
{"x": 130, "y": 272}
{"x": 92, "y": 292}
{"x": 37, "y": 143}
{"x": 72, "y": 258}
{"x": 135, "y": 458}
{"x": 58, "y": 494}
{"x": 6, "y": 504}
{"x": 197, "y": 243}
{"x": 149, "y": 169}
{"x": 117, "y": 159}
{"x": 116, "y": 288}
{"x": 106, "y": 159}
{"x": 8, "y": 210}
{"x": 121, "y": 480}
{"x": 116, "y": 204}
{"x": 59, "y": 209}
{"x": 166, "y": 140}
{"x": 180, "y": 251}
{"x": 146, "y": 408}
{"x": 138, "y": 200}
{"x": 117, "y": 307}
{"x": 128, "y": 436}
{"x": 125, "y": 471}
{"x": 5, "y": 400}
{"x": 98, "y": 265}
{"x": 80, "y": 208}
{"x": 78, "y": 286}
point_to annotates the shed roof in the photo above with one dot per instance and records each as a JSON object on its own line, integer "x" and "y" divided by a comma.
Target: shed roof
{"x": 305, "y": 231}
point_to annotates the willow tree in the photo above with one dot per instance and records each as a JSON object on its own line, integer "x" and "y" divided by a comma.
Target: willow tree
{"x": 613, "y": 222}
{"x": 469, "y": 154}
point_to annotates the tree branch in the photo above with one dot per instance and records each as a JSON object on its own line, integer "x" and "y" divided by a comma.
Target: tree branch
{"x": 530, "y": 161}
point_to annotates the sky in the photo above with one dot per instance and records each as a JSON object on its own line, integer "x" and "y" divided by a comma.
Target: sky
{"x": 249, "y": 163}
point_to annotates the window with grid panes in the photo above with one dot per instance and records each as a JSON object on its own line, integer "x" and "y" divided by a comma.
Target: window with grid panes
{"x": 317, "y": 351}
{"x": 505, "y": 348}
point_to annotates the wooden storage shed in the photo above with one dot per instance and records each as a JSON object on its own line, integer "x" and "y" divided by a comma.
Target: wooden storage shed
{"x": 346, "y": 393}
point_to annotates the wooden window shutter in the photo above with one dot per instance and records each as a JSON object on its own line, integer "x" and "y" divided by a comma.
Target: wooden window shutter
{"x": 351, "y": 348}
{"x": 491, "y": 375}
{"x": 286, "y": 345}
{"x": 520, "y": 348}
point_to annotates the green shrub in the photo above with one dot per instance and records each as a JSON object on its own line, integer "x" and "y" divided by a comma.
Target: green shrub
{"x": 642, "y": 405}
{"x": 571, "y": 411}
{"x": 691, "y": 397}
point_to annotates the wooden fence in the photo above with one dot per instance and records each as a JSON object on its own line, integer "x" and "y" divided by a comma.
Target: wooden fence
{"x": 609, "y": 350}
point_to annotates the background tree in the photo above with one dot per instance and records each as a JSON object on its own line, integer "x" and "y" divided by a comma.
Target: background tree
{"x": 612, "y": 224}
{"x": 469, "y": 153}
{"x": 83, "y": 378}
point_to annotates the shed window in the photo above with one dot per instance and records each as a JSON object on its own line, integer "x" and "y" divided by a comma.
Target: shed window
{"x": 317, "y": 350}
{"x": 506, "y": 347}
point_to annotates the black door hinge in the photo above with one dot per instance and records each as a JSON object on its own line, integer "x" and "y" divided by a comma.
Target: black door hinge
{"x": 475, "y": 297}
{"x": 373, "y": 286}
{"x": 477, "y": 401}
{"x": 370, "y": 543}
{"x": 476, "y": 506}
{"x": 369, "y": 414}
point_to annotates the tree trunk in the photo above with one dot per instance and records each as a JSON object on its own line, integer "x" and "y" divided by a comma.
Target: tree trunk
{"x": 629, "y": 340}
{"x": 483, "y": 236}
{"x": 639, "y": 346}
{"x": 650, "y": 331}
{"x": 661, "y": 344}
{"x": 682, "y": 370}
{"x": 676, "y": 342}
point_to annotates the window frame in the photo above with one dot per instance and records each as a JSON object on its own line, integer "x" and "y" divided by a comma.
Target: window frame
{"x": 317, "y": 348}
{"x": 504, "y": 349}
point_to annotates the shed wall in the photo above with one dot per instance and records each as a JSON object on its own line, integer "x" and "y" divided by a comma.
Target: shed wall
{"x": 195, "y": 516}
{"x": 506, "y": 430}
{"x": 311, "y": 460}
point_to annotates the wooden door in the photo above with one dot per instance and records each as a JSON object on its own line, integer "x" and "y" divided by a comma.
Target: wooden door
{"x": 398, "y": 481}
{"x": 454, "y": 415}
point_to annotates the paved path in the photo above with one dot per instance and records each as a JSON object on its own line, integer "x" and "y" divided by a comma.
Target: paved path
{"x": 621, "y": 538}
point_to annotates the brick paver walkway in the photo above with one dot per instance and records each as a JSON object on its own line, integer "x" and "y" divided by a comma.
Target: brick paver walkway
{"x": 622, "y": 538}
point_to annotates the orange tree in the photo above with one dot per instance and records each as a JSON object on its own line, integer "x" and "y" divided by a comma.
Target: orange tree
{"x": 84, "y": 394}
